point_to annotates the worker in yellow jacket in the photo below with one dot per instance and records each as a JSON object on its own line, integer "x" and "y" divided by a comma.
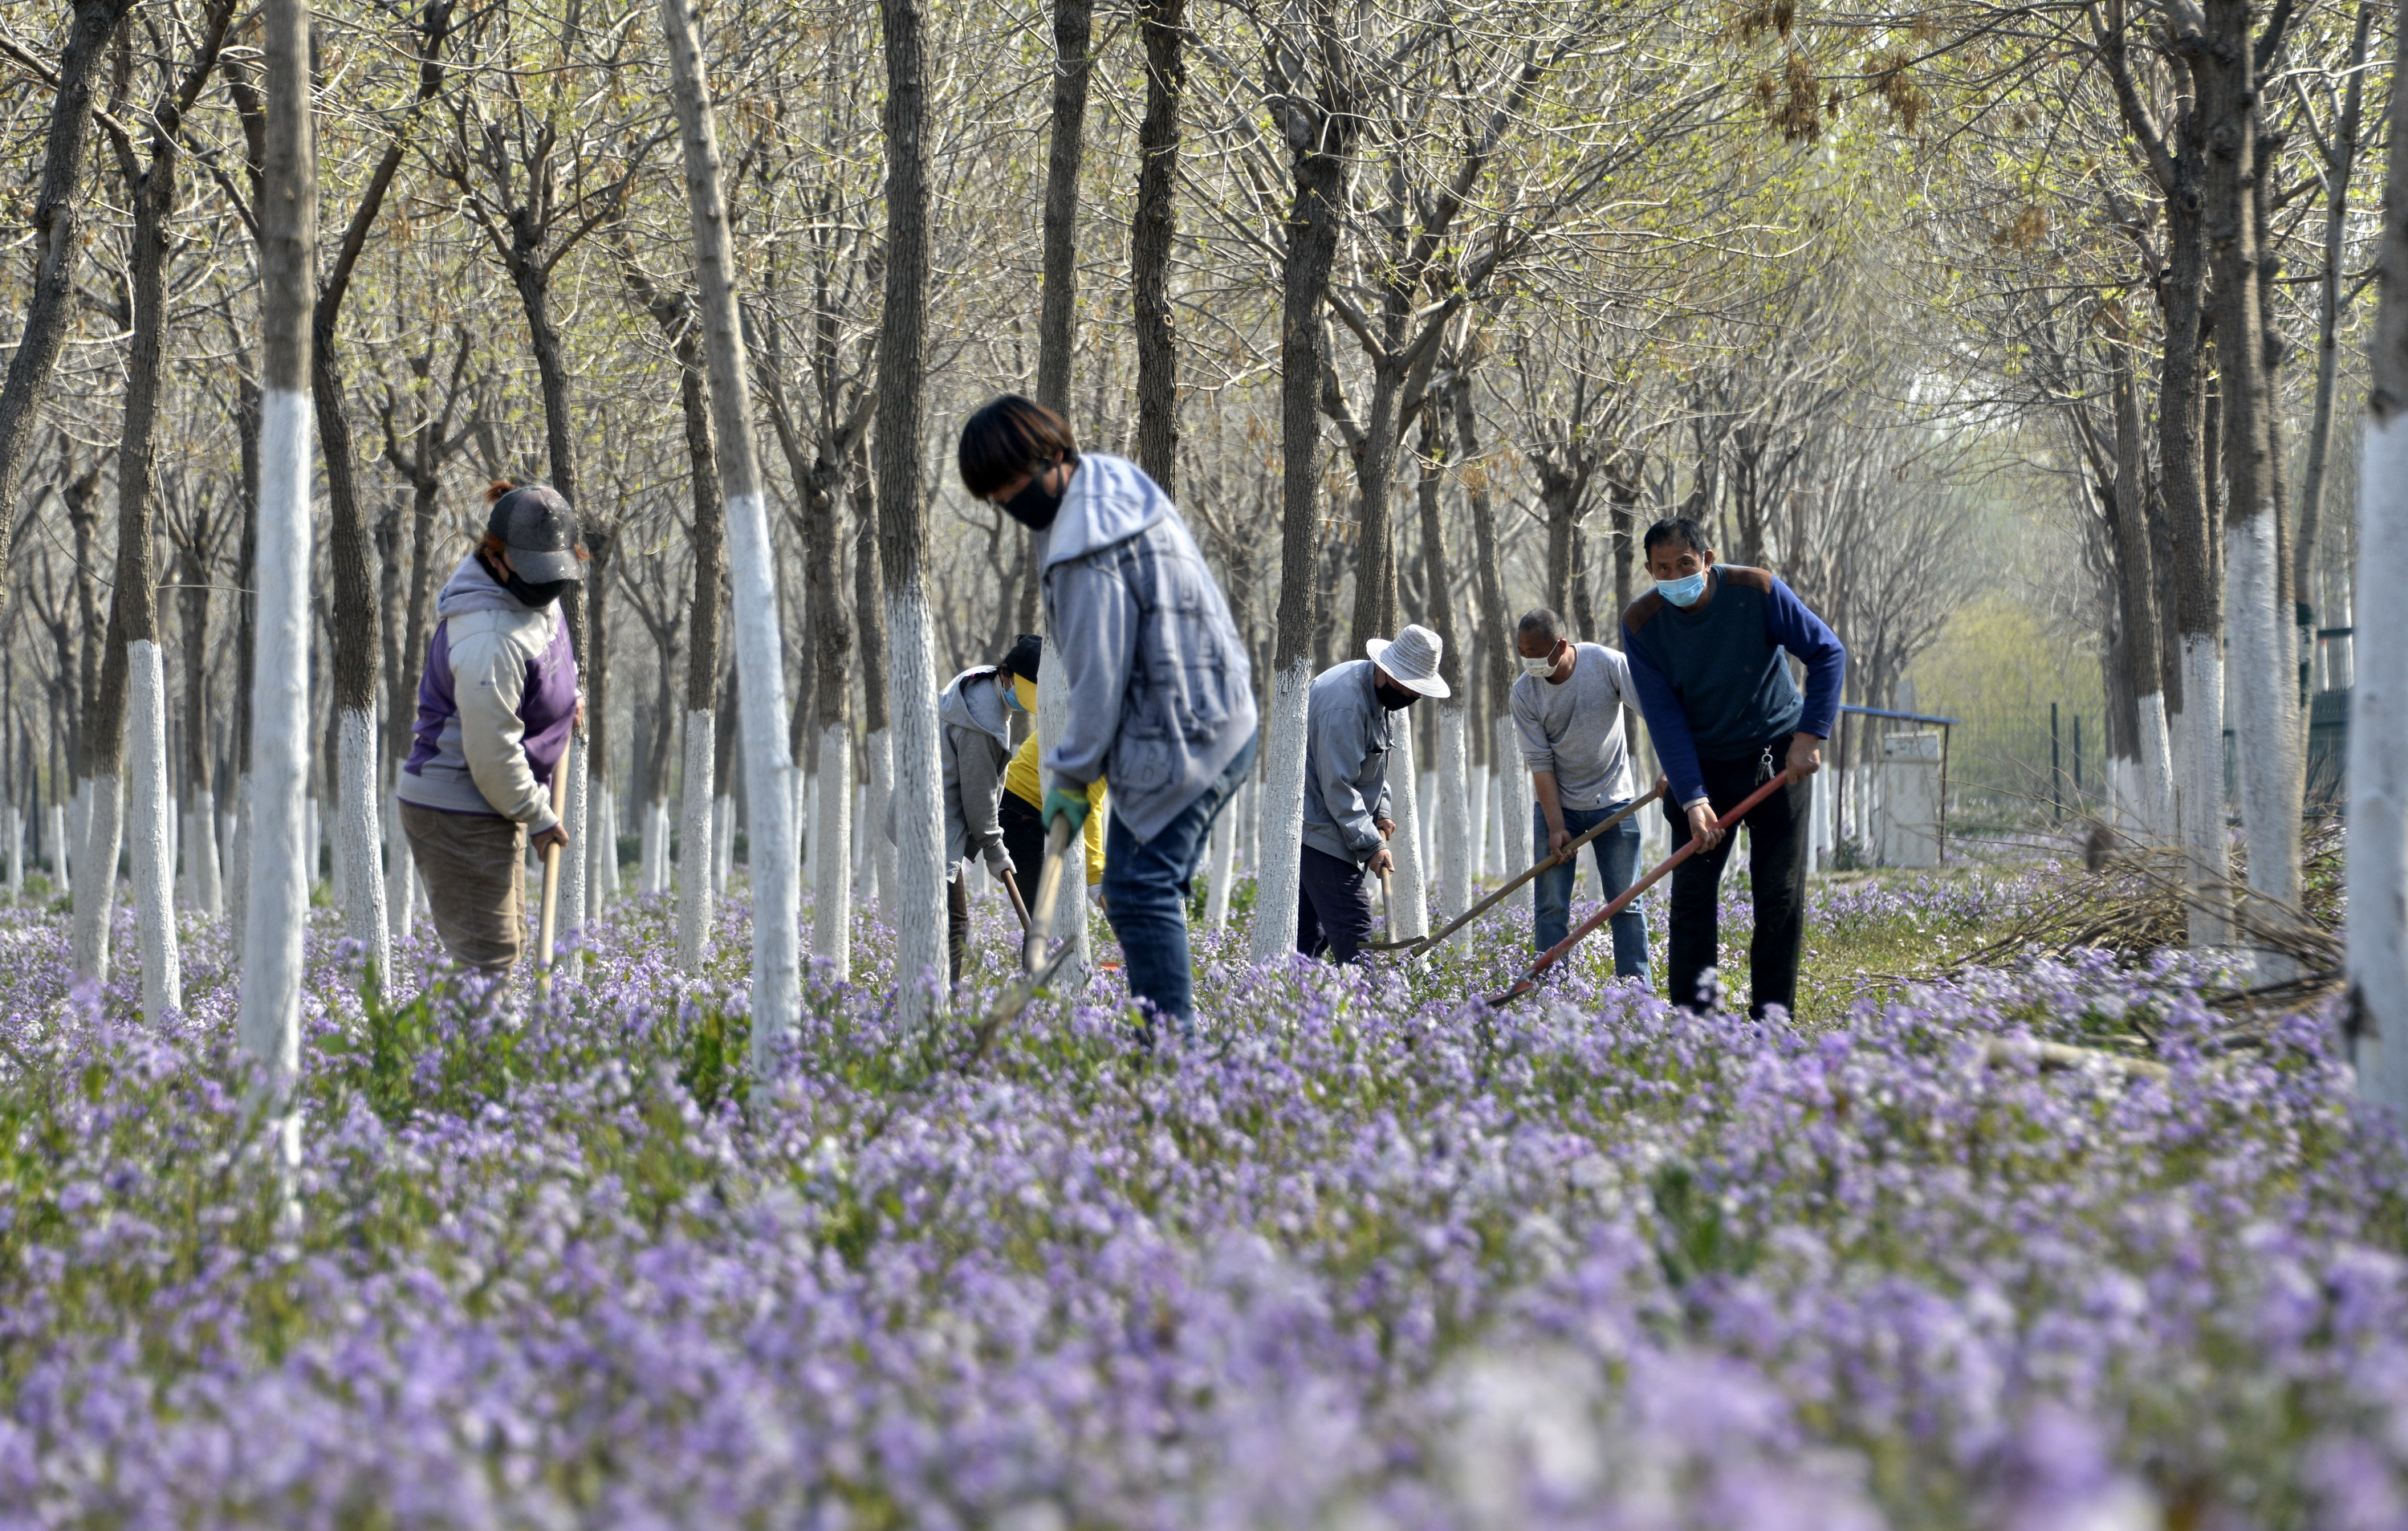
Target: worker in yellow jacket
{"x": 1024, "y": 832}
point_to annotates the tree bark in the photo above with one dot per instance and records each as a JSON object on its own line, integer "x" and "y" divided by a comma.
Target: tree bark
{"x": 57, "y": 228}
{"x": 915, "y": 904}
{"x": 1162, "y": 26}
{"x": 1321, "y": 130}
{"x": 279, "y": 891}
{"x": 2136, "y": 587}
{"x": 697, "y": 847}
{"x": 759, "y": 650}
{"x": 2342, "y": 157}
{"x": 1058, "y": 320}
{"x": 1454, "y": 805}
{"x": 2376, "y": 1018}
{"x": 2261, "y": 637}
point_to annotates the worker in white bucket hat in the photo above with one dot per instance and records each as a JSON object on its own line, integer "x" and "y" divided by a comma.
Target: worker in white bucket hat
{"x": 1350, "y": 723}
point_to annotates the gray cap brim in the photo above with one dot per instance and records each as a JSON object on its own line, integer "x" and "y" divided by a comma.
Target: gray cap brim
{"x": 546, "y": 567}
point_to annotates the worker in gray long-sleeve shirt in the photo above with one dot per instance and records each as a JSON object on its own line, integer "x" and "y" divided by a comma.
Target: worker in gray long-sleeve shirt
{"x": 1349, "y": 724}
{"x": 1568, "y": 716}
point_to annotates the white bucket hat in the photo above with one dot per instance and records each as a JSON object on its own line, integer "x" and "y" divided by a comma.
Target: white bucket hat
{"x": 1411, "y": 660}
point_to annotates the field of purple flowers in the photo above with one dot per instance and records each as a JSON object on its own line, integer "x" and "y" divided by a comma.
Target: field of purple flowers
{"x": 1366, "y": 1255}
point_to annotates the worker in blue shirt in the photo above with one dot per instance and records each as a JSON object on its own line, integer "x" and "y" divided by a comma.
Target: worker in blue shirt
{"x": 1710, "y": 649}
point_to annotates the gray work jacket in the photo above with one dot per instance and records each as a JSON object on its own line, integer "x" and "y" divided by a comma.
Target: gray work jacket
{"x": 1346, "y": 739}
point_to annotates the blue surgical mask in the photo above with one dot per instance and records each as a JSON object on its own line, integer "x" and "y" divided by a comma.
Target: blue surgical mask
{"x": 1682, "y": 593}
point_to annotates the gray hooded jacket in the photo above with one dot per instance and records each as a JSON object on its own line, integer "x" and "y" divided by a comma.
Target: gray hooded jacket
{"x": 1346, "y": 739}
{"x": 1161, "y": 696}
{"x": 975, "y": 741}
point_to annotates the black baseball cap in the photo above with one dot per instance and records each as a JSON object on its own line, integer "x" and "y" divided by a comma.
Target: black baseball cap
{"x": 535, "y": 524}
{"x": 1026, "y": 652}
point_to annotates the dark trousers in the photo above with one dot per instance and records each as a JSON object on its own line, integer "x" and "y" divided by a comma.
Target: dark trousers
{"x": 1023, "y": 841}
{"x": 1333, "y": 907}
{"x": 958, "y": 922}
{"x": 1776, "y": 829}
{"x": 1146, "y": 887}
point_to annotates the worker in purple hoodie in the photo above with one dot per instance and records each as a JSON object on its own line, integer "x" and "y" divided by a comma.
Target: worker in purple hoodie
{"x": 496, "y": 707}
{"x": 1710, "y": 650}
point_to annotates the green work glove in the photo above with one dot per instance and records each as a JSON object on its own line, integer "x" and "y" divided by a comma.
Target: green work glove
{"x": 1071, "y": 805}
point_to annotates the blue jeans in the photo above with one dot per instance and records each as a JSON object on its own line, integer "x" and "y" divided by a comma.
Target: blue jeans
{"x": 1146, "y": 889}
{"x": 1617, "y": 862}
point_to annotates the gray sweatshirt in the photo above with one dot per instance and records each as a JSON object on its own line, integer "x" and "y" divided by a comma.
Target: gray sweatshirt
{"x": 975, "y": 741}
{"x": 1575, "y": 730}
{"x": 1161, "y": 699}
{"x": 1347, "y": 738}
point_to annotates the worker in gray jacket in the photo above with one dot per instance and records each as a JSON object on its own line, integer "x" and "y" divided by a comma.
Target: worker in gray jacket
{"x": 1349, "y": 728}
{"x": 975, "y": 741}
{"x": 1161, "y": 698}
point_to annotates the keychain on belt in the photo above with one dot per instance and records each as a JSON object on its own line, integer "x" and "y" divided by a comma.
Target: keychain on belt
{"x": 1764, "y": 767}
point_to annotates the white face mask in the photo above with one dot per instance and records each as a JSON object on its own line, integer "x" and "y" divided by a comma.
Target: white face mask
{"x": 1538, "y": 667}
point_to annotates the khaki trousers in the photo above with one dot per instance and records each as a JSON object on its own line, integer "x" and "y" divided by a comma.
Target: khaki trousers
{"x": 475, "y": 868}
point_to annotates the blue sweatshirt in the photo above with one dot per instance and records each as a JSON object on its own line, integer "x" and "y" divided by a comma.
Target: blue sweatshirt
{"x": 1714, "y": 680}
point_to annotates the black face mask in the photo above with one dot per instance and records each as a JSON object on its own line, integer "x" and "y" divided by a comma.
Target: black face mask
{"x": 533, "y": 596}
{"x": 1035, "y": 506}
{"x": 1395, "y": 699}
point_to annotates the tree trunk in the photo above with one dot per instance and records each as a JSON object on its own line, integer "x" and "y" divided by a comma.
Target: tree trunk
{"x": 58, "y": 243}
{"x": 2136, "y": 587}
{"x": 203, "y": 881}
{"x": 915, "y": 904}
{"x": 1452, "y": 807}
{"x": 1321, "y": 150}
{"x": 279, "y": 703}
{"x": 1162, "y": 25}
{"x": 869, "y": 619}
{"x": 2264, "y": 684}
{"x": 1057, "y": 320}
{"x": 2338, "y": 165}
{"x": 759, "y": 649}
{"x": 2376, "y": 1020}
{"x": 2198, "y": 727}
{"x": 1513, "y": 784}
{"x": 698, "y": 849}
{"x": 1375, "y": 471}
{"x": 601, "y": 859}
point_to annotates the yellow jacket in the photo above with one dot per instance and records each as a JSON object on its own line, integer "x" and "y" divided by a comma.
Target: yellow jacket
{"x": 1021, "y": 779}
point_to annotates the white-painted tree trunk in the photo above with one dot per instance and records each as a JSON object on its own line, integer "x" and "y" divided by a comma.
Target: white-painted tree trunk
{"x": 61, "y": 867}
{"x": 878, "y": 884}
{"x": 572, "y": 859}
{"x": 315, "y": 824}
{"x": 602, "y": 850}
{"x": 2201, "y": 784}
{"x": 16, "y": 851}
{"x": 400, "y": 871}
{"x": 1451, "y": 806}
{"x": 723, "y": 844}
{"x": 1282, "y": 817}
{"x": 239, "y": 862}
{"x": 2153, "y": 790}
{"x": 1514, "y": 799}
{"x": 103, "y": 822}
{"x": 152, "y": 833}
{"x": 2378, "y": 764}
{"x": 79, "y": 820}
{"x": 831, "y": 854}
{"x": 694, "y": 859}
{"x": 2267, "y": 723}
{"x": 863, "y": 870}
{"x": 332, "y": 837}
{"x": 1409, "y": 907}
{"x": 228, "y": 823}
{"x": 654, "y": 854}
{"x": 806, "y": 804}
{"x": 276, "y": 814}
{"x": 357, "y": 801}
{"x": 1483, "y": 813}
{"x": 204, "y": 882}
{"x": 913, "y": 899}
{"x": 1224, "y": 871}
